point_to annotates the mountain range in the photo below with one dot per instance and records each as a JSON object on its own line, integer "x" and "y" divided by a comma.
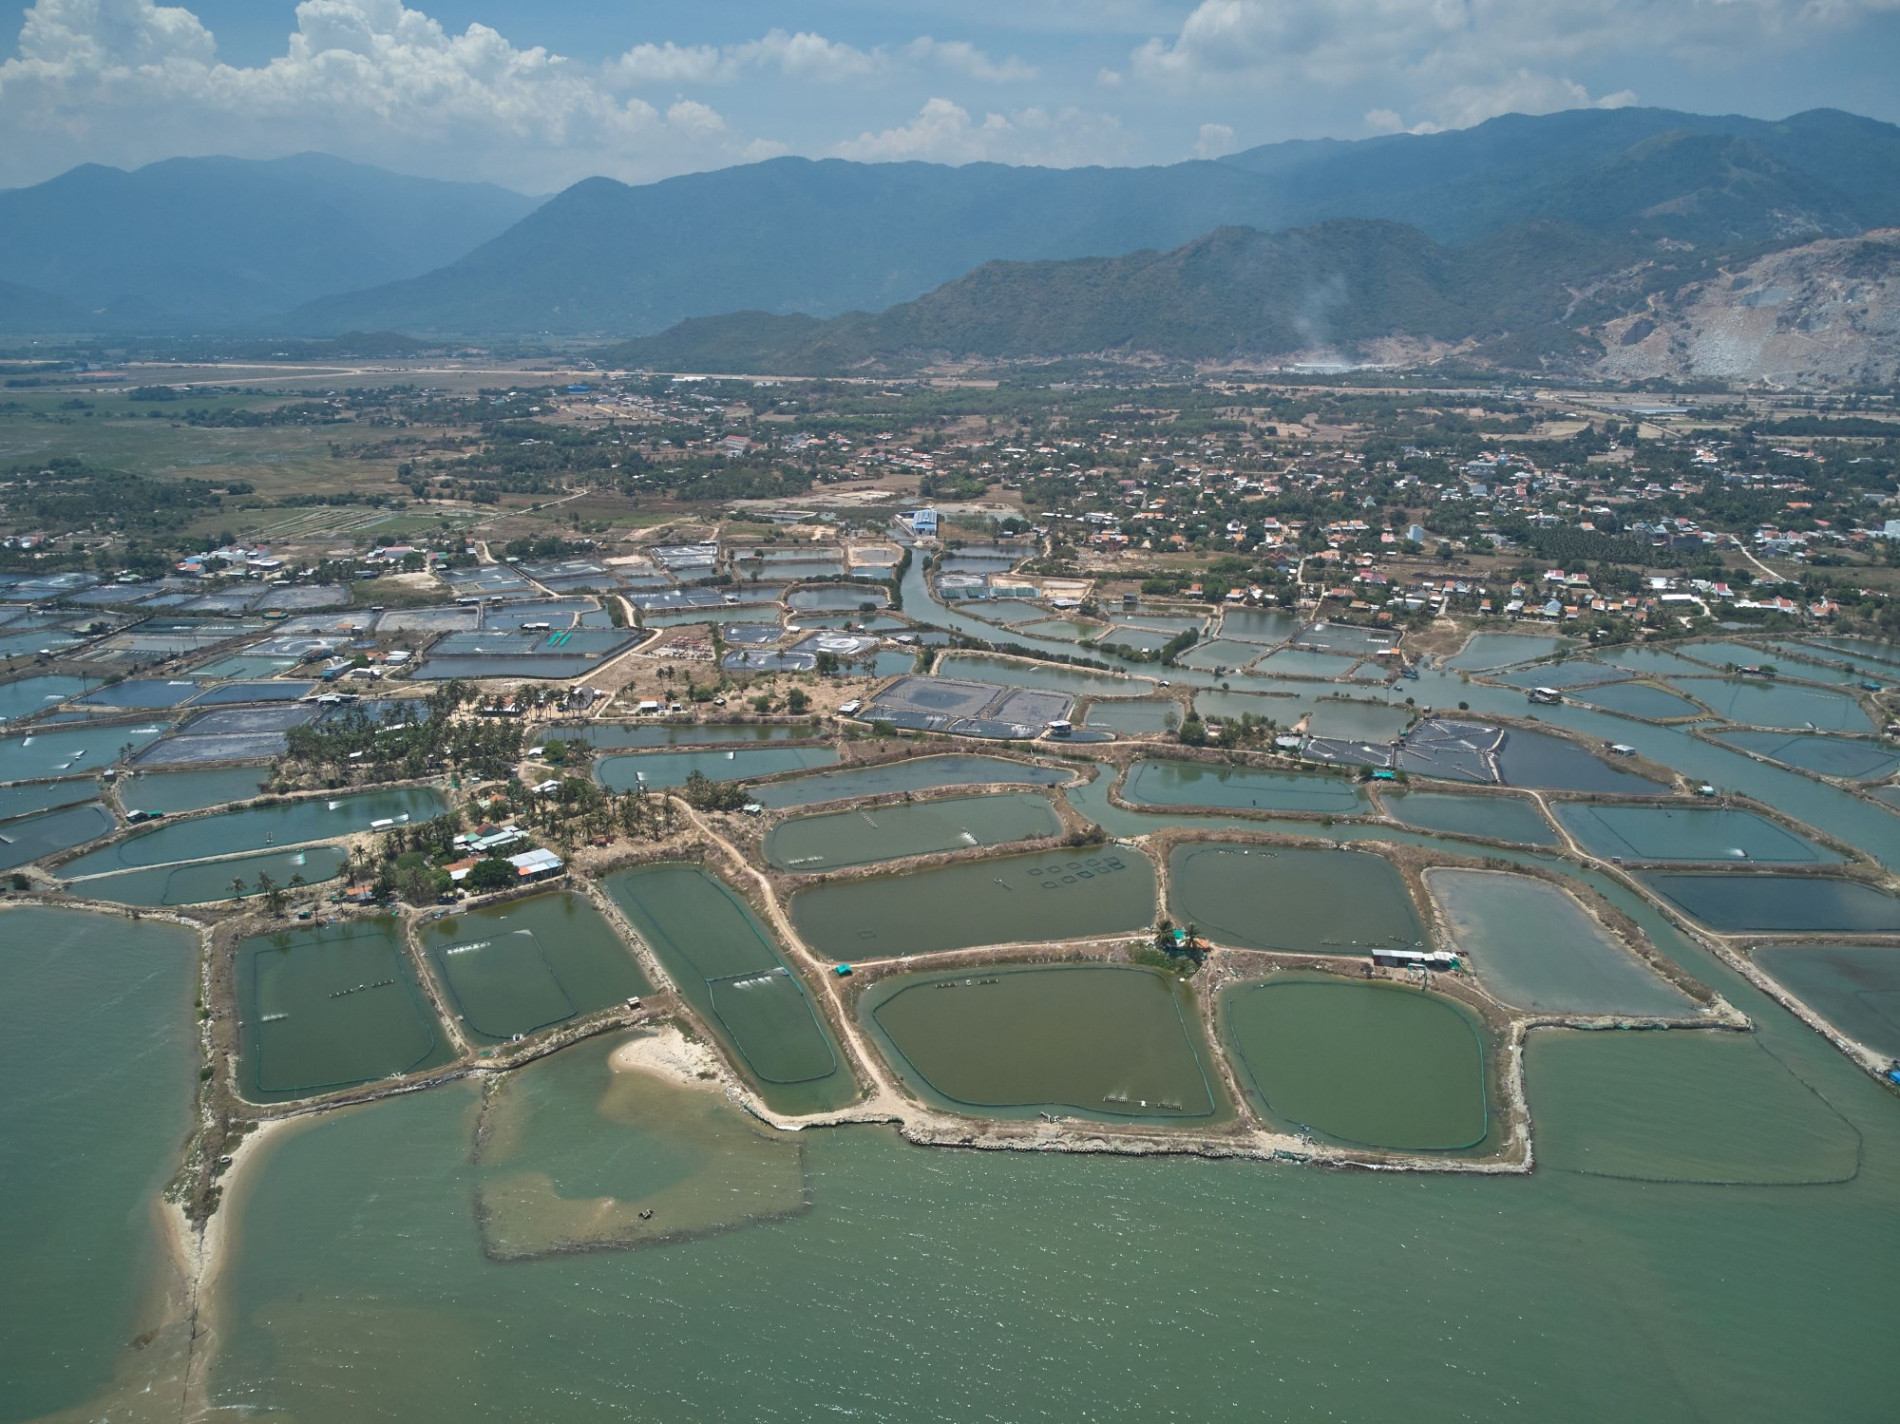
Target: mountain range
{"x": 208, "y": 244}
{"x": 1512, "y": 239}
{"x": 823, "y": 237}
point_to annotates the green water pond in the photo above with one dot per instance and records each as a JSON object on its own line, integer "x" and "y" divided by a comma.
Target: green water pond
{"x": 528, "y": 964}
{"x": 1779, "y": 904}
{"x": 204, "y": 881}
{"x": 725, "y": 965}
{"x": 916, "y": 774}
{"x": 329, "y": 1007}
{"x": 1360, "y": 1062}
{"x": 1042, "y": 895}
{"x": 1292, "y": 898}
{"x": 860, "y": 837}
{"x": 1108, "y": 1041}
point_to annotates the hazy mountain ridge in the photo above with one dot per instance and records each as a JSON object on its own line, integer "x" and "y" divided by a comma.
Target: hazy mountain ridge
{"x": 825, "y": 237}
{"x": 214, "y": 243}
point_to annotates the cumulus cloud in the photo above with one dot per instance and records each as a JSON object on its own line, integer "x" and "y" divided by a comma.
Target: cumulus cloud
{"x": 809, "y": 57}
{"x": 944, "y": 132}
{"x": 1447, "y": 53}
{"x": 131, "y": 80}
{"x": 1214, "y": 140}
{"x": 962, "y": 57}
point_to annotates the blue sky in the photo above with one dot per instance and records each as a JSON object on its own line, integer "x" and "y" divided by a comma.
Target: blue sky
{"x": 538, "y": 95}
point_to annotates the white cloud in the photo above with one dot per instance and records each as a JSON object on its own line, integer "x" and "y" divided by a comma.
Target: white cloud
{"x": 1446, "y": 53}
{"x": 962, "y": 57}
{"x": 944, "y": 132}
{"x": 669, "y": 63}
{"x": 1384, "y": 121}
{"x": 1214, "y": 140}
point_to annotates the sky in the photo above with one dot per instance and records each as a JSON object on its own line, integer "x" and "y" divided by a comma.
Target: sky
{"x": 536, "y": 94}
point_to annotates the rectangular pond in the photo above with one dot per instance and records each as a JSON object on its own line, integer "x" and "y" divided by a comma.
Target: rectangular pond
{"x": 30, "y": 796}
{"x": 1544, "y": 762}
{"x": 1688, "y": 833}
{"x": 1102, "y": 1041}
{"x": 283, "y": 823}
{"x": 1754, "y": 703}
{"x": 1647, "y": 700}
{"x": 1779, "y": 904}
{"x": 1369, "y": 1064}
{"x": 28, "y": 696}
{"x": 81, "y": 751}
{"x": 1296, "y": 899}
{"x": 724, "y": 964}
{"x": 1019, "y": 899}
{"x": 329, "y": 1007}
{"x": 1535, "y": 946}
{"x": 1134, "y": 716}
{"x": 1486, "y": 651}
{"x": 1852, "y": 758}
{"x": 808, "y": 844}
{"x": 673, "y": 734}
{"x": 171, "y": 792}
{"x": 1258, "y": 625}
{"x": 661, "y": 770}
{"x": 1502, "y": 818}
{"x": 1193, "y": 783}
{"x": 526, "y": 965}
{"x": 1854, "y": 987}
{"x": 205, "y": 881}
{"x": 915, "y": 774}
{"x": 1046, "y": 677}
{"x": 48, "y": 833}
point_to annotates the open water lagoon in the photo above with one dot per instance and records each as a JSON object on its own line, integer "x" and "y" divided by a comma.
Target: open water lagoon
{"x": 329, "y": 1007}
{"x": 1293, "y": 898}
{"x": 859, "y": 837}
{"x": 1103, "y": 1041}
{"x": 1535, "y": 946}
{"x": 723, "y": 962}
{"x": 360, "y": 1286}
{"x": 577, "y": 1154}
{"x": 1854, "y": 987}
{"x": 1066, "y": 893}
{"x": 1366, "y": 1063}
{"x": 1189, "y": 783}
{"x": 99, "y": 1061}
{"x": 529, "y": 964}
{"x": 1683, "y": 1106}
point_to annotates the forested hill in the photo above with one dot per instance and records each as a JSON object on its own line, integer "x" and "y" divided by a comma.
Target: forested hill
{"x": 793, "y": 236}
{"x": 1543, "y": 296}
